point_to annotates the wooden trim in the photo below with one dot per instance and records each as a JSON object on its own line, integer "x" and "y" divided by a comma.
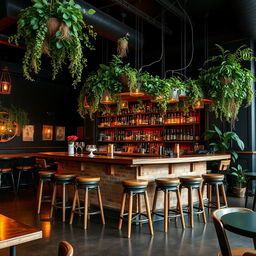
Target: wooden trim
{"x": 15, "y": 148}
{"x": 247, "y": 152}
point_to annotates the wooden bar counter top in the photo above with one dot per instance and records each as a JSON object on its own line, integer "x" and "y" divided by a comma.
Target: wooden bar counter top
{"x": 112, "y": 170}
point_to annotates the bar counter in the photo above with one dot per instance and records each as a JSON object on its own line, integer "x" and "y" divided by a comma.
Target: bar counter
{"x": 112, "y": 170}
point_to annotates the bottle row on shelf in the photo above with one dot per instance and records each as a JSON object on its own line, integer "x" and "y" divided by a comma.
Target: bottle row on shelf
{"x": 177, "y": 134}
{"x": 150, "y": 119}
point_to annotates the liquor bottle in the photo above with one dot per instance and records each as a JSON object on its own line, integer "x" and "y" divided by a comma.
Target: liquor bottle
{"x": 191, "y": 134}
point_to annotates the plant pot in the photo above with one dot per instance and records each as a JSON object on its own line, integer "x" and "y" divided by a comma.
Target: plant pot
{"x": 239, "y": 192}
{"x": 226, "y": 80}
{"x": 122, "y": 47}
{"x": 71, "y": 148}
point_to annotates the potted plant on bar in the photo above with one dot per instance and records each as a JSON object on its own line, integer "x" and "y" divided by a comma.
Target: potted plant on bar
{"x": 238, "y": 172}
{"x": 57, "y": 29}
{"x": 225, "y": 81}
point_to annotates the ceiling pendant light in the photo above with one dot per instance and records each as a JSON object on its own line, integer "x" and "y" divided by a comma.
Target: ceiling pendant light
{"x": 106, "y": 99}
{"x": 5, "y": 81}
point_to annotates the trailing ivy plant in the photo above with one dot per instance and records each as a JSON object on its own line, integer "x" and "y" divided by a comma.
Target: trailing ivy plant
{"x": 57, "y": 29}
{"x": 194, "y": 92}
{"x": 227, "y": 82}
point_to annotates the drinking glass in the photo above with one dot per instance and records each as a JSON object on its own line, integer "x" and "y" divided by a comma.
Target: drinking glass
{"x": 81, "y": 146}
{"x": 91, "y": 149}
{"x": 76, "y": 145}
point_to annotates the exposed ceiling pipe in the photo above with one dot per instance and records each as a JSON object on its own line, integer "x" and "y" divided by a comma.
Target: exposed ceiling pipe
{"x": 105, "y": 25}
{"x": 143, "y": 15}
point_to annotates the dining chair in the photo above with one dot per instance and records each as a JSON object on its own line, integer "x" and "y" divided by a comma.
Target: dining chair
{"x": 6, "y": 168}
{"x": 225, "y": 249}
{"x": 65, "y": 249}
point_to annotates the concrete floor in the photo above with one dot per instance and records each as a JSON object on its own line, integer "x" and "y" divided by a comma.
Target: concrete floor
{"x": 99, "y": 240}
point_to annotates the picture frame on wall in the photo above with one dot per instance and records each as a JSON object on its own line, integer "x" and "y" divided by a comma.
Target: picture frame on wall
{"x": 47, "y": 132}
{"x": 60, "y": 133}
{"x": 28, "y": 133}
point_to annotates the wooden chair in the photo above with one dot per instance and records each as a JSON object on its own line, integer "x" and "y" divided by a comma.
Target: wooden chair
{"x": 65, "y": 249}
{"x": 223, "y": 166}
{"x": 221, "y": 233}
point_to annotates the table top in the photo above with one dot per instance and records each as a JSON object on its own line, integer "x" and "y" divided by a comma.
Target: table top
{"x": 14, "y": 232}
{"x": 242, "y": 223}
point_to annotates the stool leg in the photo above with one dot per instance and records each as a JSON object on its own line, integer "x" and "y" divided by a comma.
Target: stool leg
{"x": 139, "y": 208}
{"x": 53, "y": 199}
{"x": 148, "y": 213}
{"x": 63, "y": 202}
{"x": 130, "y": 214}
{"x": 190, "y": 205}
{"x": 73, "y": 207}
{"x": 154, "y": 203}
{"x": 254, "y": 202}
{"x": 246, "y": 193}
{"x": 209, "y": 195}
{"x": 201, "y": 203}
{"x": 18, "y": 183}
{"x": 101, "y": 207}
{"x": 13, "y": 183}
{"x": 180, "y": 209}
{"x": 122, "y": 211}
{"x": 217, "y": 196}
{"x": 168, "y": 204}
{"x": 40, "y": 192}
{"x": 165, "y": 210}
{"x": 86, "y": 207}
{"x": 224, "y": 195}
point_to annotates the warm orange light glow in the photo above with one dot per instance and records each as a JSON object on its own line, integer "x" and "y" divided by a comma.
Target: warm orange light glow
{"x": 137, "y": 93}
{"x": 5, "y": 81}
{"x": 86, "y": 105}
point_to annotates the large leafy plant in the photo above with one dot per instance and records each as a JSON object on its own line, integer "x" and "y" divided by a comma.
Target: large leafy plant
{"x": 222, "y": 141}
{"x": 56, "y": 28}
{"x": 239, "y": 172}
{"x": 227, "y": 82}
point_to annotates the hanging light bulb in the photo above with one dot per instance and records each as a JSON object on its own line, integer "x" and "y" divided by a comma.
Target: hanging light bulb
{"x": 106, "y": 99}
{"x": 124, "y": 104}
{"x": 86, "y": 105}
{"x": 5, "y": 81}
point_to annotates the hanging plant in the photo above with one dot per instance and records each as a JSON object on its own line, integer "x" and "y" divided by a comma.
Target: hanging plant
{"x": 122, "y": 46}
{"x": 224, "y": 80}
{"x": 194, "y": 92}
{"x": 57, "y": 29}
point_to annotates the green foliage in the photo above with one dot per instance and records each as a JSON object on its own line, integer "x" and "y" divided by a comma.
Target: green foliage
{"x": 239, "y": 172}
{"x": 194, "y": 91}
{"x": 221, "y": 141}
{"x": 33, "y": 30}
{"x": 227, "y": 82}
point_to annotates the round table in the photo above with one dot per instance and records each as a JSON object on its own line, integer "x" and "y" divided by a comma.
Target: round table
{"x": 242, "y": 223}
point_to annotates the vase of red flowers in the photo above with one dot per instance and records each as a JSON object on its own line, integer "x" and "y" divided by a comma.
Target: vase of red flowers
{"x": 71, "y": 142}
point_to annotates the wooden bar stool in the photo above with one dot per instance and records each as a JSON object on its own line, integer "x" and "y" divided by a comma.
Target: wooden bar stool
{"x": 191, "y": 183}
{"x": 86, "y": 183}
{"x": 45, "y": 177}
{"x": 168, "y": 185}
{"x": 131, "y": 189}
{"x": 215, "y": 181}
{"x": 62, "y": 180}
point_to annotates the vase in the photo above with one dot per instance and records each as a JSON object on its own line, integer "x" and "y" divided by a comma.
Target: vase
{"x": 71, "y": 149}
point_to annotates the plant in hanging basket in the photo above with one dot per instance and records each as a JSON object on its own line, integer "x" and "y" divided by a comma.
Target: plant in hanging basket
{"x": 57, "y": 29}
{"x": 227, "y": 82}
{"x": 122, "y": 46}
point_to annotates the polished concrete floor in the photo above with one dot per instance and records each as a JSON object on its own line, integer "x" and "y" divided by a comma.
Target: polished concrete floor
{"x": 107, "y": 240}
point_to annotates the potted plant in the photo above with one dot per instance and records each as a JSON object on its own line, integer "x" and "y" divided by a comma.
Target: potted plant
{"x": 122, "y": 46}
{"x": 57, "y": 29}
{"x": 227, "y": 82}
{"x": 221, "y": 142}
{"x": 238, "y": 172}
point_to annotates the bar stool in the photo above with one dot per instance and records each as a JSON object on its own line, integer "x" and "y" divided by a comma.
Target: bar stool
{"x": 6, "y": 168}
{"x": 45, "y": 177}
{"x": 86, "y": 183}
{"x": 191, "y": 183}
{"x": 168, "y": 185}
{"x": 131, "y": 189}
{"x": 62, "y": 180}
{"x": 250, "y": 177}
{"x": 216, "y": 181}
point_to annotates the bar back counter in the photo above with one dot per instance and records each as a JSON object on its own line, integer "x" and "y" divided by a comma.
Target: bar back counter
{"x": 112, "y": 170}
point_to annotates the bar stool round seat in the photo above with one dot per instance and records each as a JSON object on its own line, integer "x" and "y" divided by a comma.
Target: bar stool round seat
{"x": 250, "y": 177}
{"x": 168, "y": 185}
{"x": 193, "y": 183}
{"x": 45, "y": 177}
{"x": 217, "y": 181}
{"x": 63, "y": 180}
{"x": 134, "y": 188}
{"x": 86, "y": 184}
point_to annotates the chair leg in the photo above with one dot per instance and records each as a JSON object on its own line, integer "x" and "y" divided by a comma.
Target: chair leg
{"x": 246, "y": 193}
{"x": 101, "y": 206}
{"x": 53, "y": 199}
{"x": 40, "y": 192}
{"x": 122, "y": 211}
{"x": 201, "y": 203}
{"x": 254, "y": 201}
{"x": 86, "y": 207}
{"x": 217, "y": 196}
{"x": 73, "y": 207}
{"x": 165, "y": 210}
{"x": 130, "y": 214}
{"x": 148, "y": 213}
{"x": 13, "y": 183}
{"x": 18, "y": 183}
{"x": 190, "y": 205}
{"x": 224, "y": 195}
{"x": 180, "y": 209}
{"x": 154, "y": 203}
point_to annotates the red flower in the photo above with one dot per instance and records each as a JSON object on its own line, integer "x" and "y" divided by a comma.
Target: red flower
{"x": 72, "y": 138}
